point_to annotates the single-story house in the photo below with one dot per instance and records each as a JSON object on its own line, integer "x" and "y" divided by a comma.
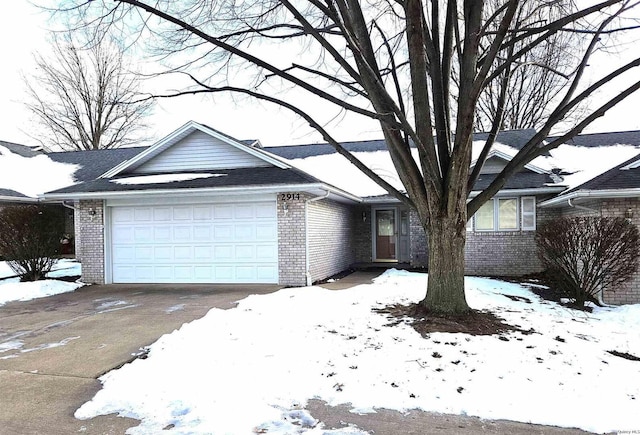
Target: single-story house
{"x": 199, "y": 206}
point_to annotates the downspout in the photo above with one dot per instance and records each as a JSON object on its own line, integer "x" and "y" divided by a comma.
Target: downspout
{"x": 591, "y": 210}
{"x": 69, "y": 206}
{"x": 581, "y": 207}
{"x": 306, "y": 235}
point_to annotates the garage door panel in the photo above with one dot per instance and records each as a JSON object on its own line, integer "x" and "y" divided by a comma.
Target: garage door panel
{"x": 162, "y": 214}
{"x": 266, "y": 253}
{"x": 124, "y": 254}
{"x": 144, "y": 254}
{"x": 162, "y": 253}
{"x": 122, "y": 234}
{"x": 143, "y": 214}
{"x": 202, "y": 213}
{"x": 122, "y": 214}
{"x": 143, "y": 235}
{"x": 202, "y": 233}
{"x": 223, "y": 211}
{"x": 222, "y": 243}
{"x": 265, "y": 232}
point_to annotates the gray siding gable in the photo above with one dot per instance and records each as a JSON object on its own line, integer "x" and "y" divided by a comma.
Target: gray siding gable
{"x": 197, "y": 152}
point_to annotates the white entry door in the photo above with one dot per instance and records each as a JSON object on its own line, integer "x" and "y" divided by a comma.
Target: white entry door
{"x": 195, "y": 243}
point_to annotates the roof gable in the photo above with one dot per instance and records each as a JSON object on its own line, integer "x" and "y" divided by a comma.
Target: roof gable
{"x": 196, "y": 147}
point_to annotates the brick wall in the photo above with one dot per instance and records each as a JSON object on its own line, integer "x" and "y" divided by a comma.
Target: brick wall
{"x": 362, "y": 234}
{"x": 629, "y": 292}
{"x": 419, "y": 247}
{"x": 331, "y": 234}
{"x": 291, "y": 241}
{"x": 90, "y": 230}
{"x": 504, "y": 253}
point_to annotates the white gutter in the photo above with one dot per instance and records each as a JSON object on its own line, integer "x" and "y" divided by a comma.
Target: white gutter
{"x": 24, "y": 199}
{"x": 306, "y": 235}
{"x": 203, "y": 191}
{"x": 581, "y": 207}
{"x": 610, "y": 193}
{"x": 530, "y": 191}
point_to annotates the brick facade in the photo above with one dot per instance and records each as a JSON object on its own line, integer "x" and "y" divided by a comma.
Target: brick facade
{"x": 629, "y": 292}
{"x": 90, "y": 240}
{"x": 505, "y": 253}
{"x": 418, "y": 241}
{"x": 331, "y": 233}
{"x": 291, "y": 241}
{"x": 362, "y": 234}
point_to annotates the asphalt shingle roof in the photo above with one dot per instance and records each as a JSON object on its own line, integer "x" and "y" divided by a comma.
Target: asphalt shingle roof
{"x": 94, "y": 163}
{"x": 514, "y": 138}
{"x": 521, "y": 180}
{"x": 593, "y": 140}
{"x": 262, "y": 176}
{"x": 614, "y": 178}
{"x": 22, "y": 150}
{"x": 12, "y": 193}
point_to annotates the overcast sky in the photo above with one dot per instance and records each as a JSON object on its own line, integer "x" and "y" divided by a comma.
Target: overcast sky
{"x": 23, "y": 31}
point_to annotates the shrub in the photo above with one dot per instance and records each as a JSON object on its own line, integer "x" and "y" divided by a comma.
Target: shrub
{"x": 586, "y": 255}
{"x": 30, "y": 238}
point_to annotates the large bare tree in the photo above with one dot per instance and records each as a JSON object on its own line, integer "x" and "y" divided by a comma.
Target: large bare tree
{"x": 391, "y": 61}
{"x": 83, "y": 96}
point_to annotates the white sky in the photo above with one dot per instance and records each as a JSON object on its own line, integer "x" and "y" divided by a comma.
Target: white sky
{"x": 22, "y": 31}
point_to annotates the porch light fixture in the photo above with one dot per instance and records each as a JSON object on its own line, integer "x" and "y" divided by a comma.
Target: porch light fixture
{"x": 364, "y": 216}
{"x": 285, "y": 208}
{"x": 92, "y": 212}
{"x": 629, "y": 213}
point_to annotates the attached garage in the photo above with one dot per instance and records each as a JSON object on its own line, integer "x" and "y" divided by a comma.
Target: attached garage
{"x": 217, "y": 242}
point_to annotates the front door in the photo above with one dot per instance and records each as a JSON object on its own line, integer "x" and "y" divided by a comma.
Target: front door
{"x": 385, "y": 231}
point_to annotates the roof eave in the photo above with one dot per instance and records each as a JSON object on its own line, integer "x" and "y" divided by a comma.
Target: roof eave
{"x": 562, "y": 200}
{"x": 319, "y": 188}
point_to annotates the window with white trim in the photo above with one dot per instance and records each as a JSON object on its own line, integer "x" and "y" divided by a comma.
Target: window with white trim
{"x": 506, "y": 214}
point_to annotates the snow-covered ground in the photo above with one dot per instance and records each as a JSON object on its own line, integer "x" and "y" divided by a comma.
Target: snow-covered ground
{"x": 11, "y": 289}
{"x": 252, "y": 369}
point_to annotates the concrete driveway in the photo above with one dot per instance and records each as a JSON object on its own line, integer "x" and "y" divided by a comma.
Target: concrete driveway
{"x": 52, "y": 351}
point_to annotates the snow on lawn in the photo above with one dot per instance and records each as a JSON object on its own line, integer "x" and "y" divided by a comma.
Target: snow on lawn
{"x": 13, "y": 290}
{"x": 25, "y": 291}
{"x": 254, "y": 367}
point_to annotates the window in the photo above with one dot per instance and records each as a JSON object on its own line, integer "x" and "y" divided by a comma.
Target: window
{"x": 528, "y": 208}
{"x": 506, "y": 214}
{"x": 484, "y": 217}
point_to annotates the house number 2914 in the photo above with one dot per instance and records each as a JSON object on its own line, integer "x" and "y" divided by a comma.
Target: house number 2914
{"x": 289, "y": 196}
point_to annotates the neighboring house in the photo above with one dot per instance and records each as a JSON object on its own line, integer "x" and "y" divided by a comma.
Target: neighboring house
{"x": 25, "y": 173}
{"x": 202, "y": 207}
{"x": 615, "y": 193}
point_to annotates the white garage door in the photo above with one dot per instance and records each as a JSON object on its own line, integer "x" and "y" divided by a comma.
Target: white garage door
{"x": 200, "y": 243}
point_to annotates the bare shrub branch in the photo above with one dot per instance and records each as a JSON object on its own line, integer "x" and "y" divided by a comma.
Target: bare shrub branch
{"x": 586, "y": 255}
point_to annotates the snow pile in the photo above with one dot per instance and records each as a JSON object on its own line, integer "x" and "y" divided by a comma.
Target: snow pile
{"x": 254, "y": 367}
{"x": 33, "y": 176}
{"x": 163, "y": 178}
{"x": 12, "y": 289}
{"x": 25, "y": 291}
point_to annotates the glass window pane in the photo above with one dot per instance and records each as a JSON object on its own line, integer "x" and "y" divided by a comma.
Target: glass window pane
{"x": 484, "y": 216}
{"x": 528, "y": 213}
{"x": 508, "y": 214}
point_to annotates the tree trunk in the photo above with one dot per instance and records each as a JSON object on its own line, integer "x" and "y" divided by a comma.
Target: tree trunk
{"x": 445, "y": 288}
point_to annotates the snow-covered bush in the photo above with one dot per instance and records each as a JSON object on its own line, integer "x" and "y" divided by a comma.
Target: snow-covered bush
{"x": 30, "y": 238}
{"x": 586, "y": 255}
